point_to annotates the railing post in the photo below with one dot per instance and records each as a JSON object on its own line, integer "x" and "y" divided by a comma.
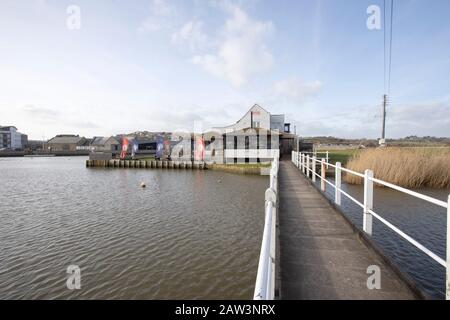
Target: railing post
{"x": 307, "y": 165}
{"x": 300, "y": 156}
{"x": 328, "y": 159}
{"x": 314, "y": 169}
{"x": 368, "y": 201}
{"x": 323, "y": 175}
{"x": 337, "y": 181}
{"x": 447, "y": 285}
{"x": 303, "y": 162}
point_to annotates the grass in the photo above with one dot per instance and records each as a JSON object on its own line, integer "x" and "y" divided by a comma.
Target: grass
{"x": 406, "y": 167}
{"x": 342, "y": 156}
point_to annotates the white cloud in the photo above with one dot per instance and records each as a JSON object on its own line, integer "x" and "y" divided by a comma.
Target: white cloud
{"x": 161, "y": 16}
{"x": 297, "y": 89}
{"x": 241, "y": 49}
{"x": 190, "y": 34}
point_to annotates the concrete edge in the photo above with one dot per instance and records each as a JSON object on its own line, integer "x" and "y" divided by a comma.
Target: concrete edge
{"x": 371, "y": 245}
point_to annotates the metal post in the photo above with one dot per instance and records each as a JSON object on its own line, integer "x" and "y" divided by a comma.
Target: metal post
{"x": 323, "y": 173}
{"x": 337, "y": 191}
{"x": 303, "y": 162}
{"x": 328, "y": 159}
{"x": 368, "y": 201}
{"x": 307, "y": 165}
{"x": 314, "y": 169}
{"x": 447, "y": 286}
{"x": 383, "y": 129}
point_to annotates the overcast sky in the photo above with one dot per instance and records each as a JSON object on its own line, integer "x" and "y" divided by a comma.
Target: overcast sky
{"x": 165, "y": 65}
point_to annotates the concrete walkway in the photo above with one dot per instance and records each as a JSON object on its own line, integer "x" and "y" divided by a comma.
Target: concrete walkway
{"x": 321, "y": 256}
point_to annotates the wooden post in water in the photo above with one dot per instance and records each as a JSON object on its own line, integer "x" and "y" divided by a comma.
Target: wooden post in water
{"x": 337, "y": 189}
{"x": 368, "y": 201}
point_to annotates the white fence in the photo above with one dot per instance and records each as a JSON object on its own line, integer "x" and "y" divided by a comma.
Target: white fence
{"x": 307, "y": 165}
{"x": 265, "y": 279}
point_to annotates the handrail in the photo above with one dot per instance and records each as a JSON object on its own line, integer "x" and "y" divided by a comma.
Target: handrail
{"x": 307, "y": 164}
{"x": 265, "y": 278}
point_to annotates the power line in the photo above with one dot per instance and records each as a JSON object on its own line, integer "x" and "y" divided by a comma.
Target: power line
{"x": 387, "y": 73}
{"x": 390, "y": 47}
{"x": 384, "y": 43}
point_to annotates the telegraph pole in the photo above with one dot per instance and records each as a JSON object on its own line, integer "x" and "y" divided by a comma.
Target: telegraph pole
{"x": 383, "y": 129}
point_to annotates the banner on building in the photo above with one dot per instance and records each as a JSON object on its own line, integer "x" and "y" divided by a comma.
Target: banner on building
{"x": 125, "y": 143}
{"x": 134, "y": 148}
{"x": 199, "y": 149}
{"x": 159, "y": 147}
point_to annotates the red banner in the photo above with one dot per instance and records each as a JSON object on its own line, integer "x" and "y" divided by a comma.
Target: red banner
{"x": 199, "y": 152}
{"x": 125, "y": 144}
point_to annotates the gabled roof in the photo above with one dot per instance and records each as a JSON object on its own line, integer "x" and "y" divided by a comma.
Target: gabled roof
{"x": 101, "y": 141}
{"x": 66, "y": 138}
{"x": 255, "y": 105}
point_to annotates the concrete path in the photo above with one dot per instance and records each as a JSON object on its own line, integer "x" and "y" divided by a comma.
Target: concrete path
{"x": 321, "y": 256}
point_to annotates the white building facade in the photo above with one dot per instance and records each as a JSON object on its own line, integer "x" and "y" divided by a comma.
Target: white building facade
{"x": 253, "y": 138}
{"x": 10, "y": 138}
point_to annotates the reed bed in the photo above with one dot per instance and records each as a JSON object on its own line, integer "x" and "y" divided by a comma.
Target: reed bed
{"x": 406, "y": 167}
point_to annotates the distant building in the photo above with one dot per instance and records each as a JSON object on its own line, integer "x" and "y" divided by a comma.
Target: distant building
{"x": 105, "y": 144}
{"x": 10, "y": 138}
{"x": 65, "y": 142}
{"x": 257, "y": 137}
{"x": 24, "y": 140}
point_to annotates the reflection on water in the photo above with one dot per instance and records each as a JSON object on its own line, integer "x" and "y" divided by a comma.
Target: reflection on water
{"x": 423, "y": 221}
{"x": 186, "y": 236}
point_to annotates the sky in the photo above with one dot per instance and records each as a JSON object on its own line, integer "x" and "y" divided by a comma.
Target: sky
{"x": 110, "y": 67}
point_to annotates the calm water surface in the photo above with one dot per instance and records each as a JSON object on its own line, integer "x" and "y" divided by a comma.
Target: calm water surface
{"x": 423, "y": 221}
{"x": 188, "y": 235}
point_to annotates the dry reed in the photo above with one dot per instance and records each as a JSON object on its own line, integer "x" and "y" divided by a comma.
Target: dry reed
{"x": 406, "y": 167}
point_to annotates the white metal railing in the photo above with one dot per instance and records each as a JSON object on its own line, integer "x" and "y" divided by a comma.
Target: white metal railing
{"x": 265, "y": 279}
{"x": 315, "y": 153}
{"x": 307, "y": 165}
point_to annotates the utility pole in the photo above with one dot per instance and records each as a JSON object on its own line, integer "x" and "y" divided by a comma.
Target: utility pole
{"x": 382, "y": 141}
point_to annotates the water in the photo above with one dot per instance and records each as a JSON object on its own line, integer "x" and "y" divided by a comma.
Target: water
{"x": 423, "y": 221}
{"x": 188, "y": 235}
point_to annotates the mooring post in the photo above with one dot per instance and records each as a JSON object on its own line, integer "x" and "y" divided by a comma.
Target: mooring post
{"x": 337, "y": 181}
{"x": 314, "y": 169}
{"x": 323, "y": 175}
{"x": 447, "y": 286}
{"x": 368, "y": 201}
